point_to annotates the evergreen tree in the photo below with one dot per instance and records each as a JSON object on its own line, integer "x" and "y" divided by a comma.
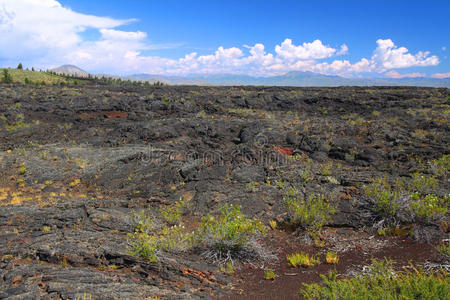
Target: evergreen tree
{"x": 20, "y": 67}
{"x": 6, "y": 78}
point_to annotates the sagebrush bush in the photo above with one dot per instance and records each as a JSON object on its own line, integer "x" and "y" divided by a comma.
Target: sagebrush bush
{"x": 386, "y": 196}
{"x": 410, "y": 201}
{"x": 382, "y": 282}
{"x": 230, "y": 235}
{"x": 310, "y": 213}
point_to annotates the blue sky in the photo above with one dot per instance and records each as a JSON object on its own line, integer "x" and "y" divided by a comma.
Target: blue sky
{"x": 348, "y": 38}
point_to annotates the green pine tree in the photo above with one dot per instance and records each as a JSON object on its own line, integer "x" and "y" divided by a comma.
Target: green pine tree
{"x": 6, "y": 78}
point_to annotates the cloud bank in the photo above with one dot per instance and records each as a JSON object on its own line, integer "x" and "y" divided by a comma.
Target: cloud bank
{"x": 44, "y": 33}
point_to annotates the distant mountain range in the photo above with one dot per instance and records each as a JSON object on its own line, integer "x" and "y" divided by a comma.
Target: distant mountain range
{"x": 288, "y": 79}
{"x": 291, "y": 79}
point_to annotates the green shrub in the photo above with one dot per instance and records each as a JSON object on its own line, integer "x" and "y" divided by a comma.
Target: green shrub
{"x": 429, "y": 207}
{"x": 441, "y": 166}
{"x": 311, "y": 213}
{"x": 381, "y": 283}
{"x": 385, "y": 195}
{"x": 422, "y": 183}
{"x": 149, "y": 239}
{"x": 172, "y": 214}
{"x": 230, "y": 234}
{"x": 408, "y": 202}
{"x": 444, "y": 248}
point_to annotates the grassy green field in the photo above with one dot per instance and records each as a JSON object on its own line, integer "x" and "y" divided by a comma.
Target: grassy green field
{"x": 34, "y": 76}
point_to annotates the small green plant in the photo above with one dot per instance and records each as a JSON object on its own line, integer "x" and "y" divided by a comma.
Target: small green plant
{"x": 385, "y": 195}
{"x": 75, "y": 183}
{"x": 281, "y": 184}
{"x": 381, "y": 232}
{"x": 230, "y": 234}
{"x": 381, "y": 282}
{"x": 326, "y": 169}
{"x": 422, "y": 183}
{"x": 307, "y": 174}
{"x": 149, "y": 240}
{"x": 251, "y": 186}
{"x": 429, "y": 207}
{"x": 441, "y": 166}
{"x": 311, "y": 213}
{"x": 172, "y": 214}
{"x": 18, "y": 125}
{"x": 444, "y": 248}
{"x": 332, "y": 258}
{"x": 142, "y": 243}
{"x": 85, "y": 297}
{"x": 273, "y": 224}
{"x": 228, "y": 268}
{"x": 22, "y": 170}
{"x": 302, "y": 260}
{"x": 269, "y": 274}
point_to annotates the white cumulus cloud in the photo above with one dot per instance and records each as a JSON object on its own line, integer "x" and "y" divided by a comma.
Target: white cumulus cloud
{"x": 43, "y": 28}
{"x": 43, "y": 33}
{"x": 314, "y": 50}
{"x": 388, "y": 56}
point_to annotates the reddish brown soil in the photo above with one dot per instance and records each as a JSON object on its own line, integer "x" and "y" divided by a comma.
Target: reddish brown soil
{"x": 250, "y": 282}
